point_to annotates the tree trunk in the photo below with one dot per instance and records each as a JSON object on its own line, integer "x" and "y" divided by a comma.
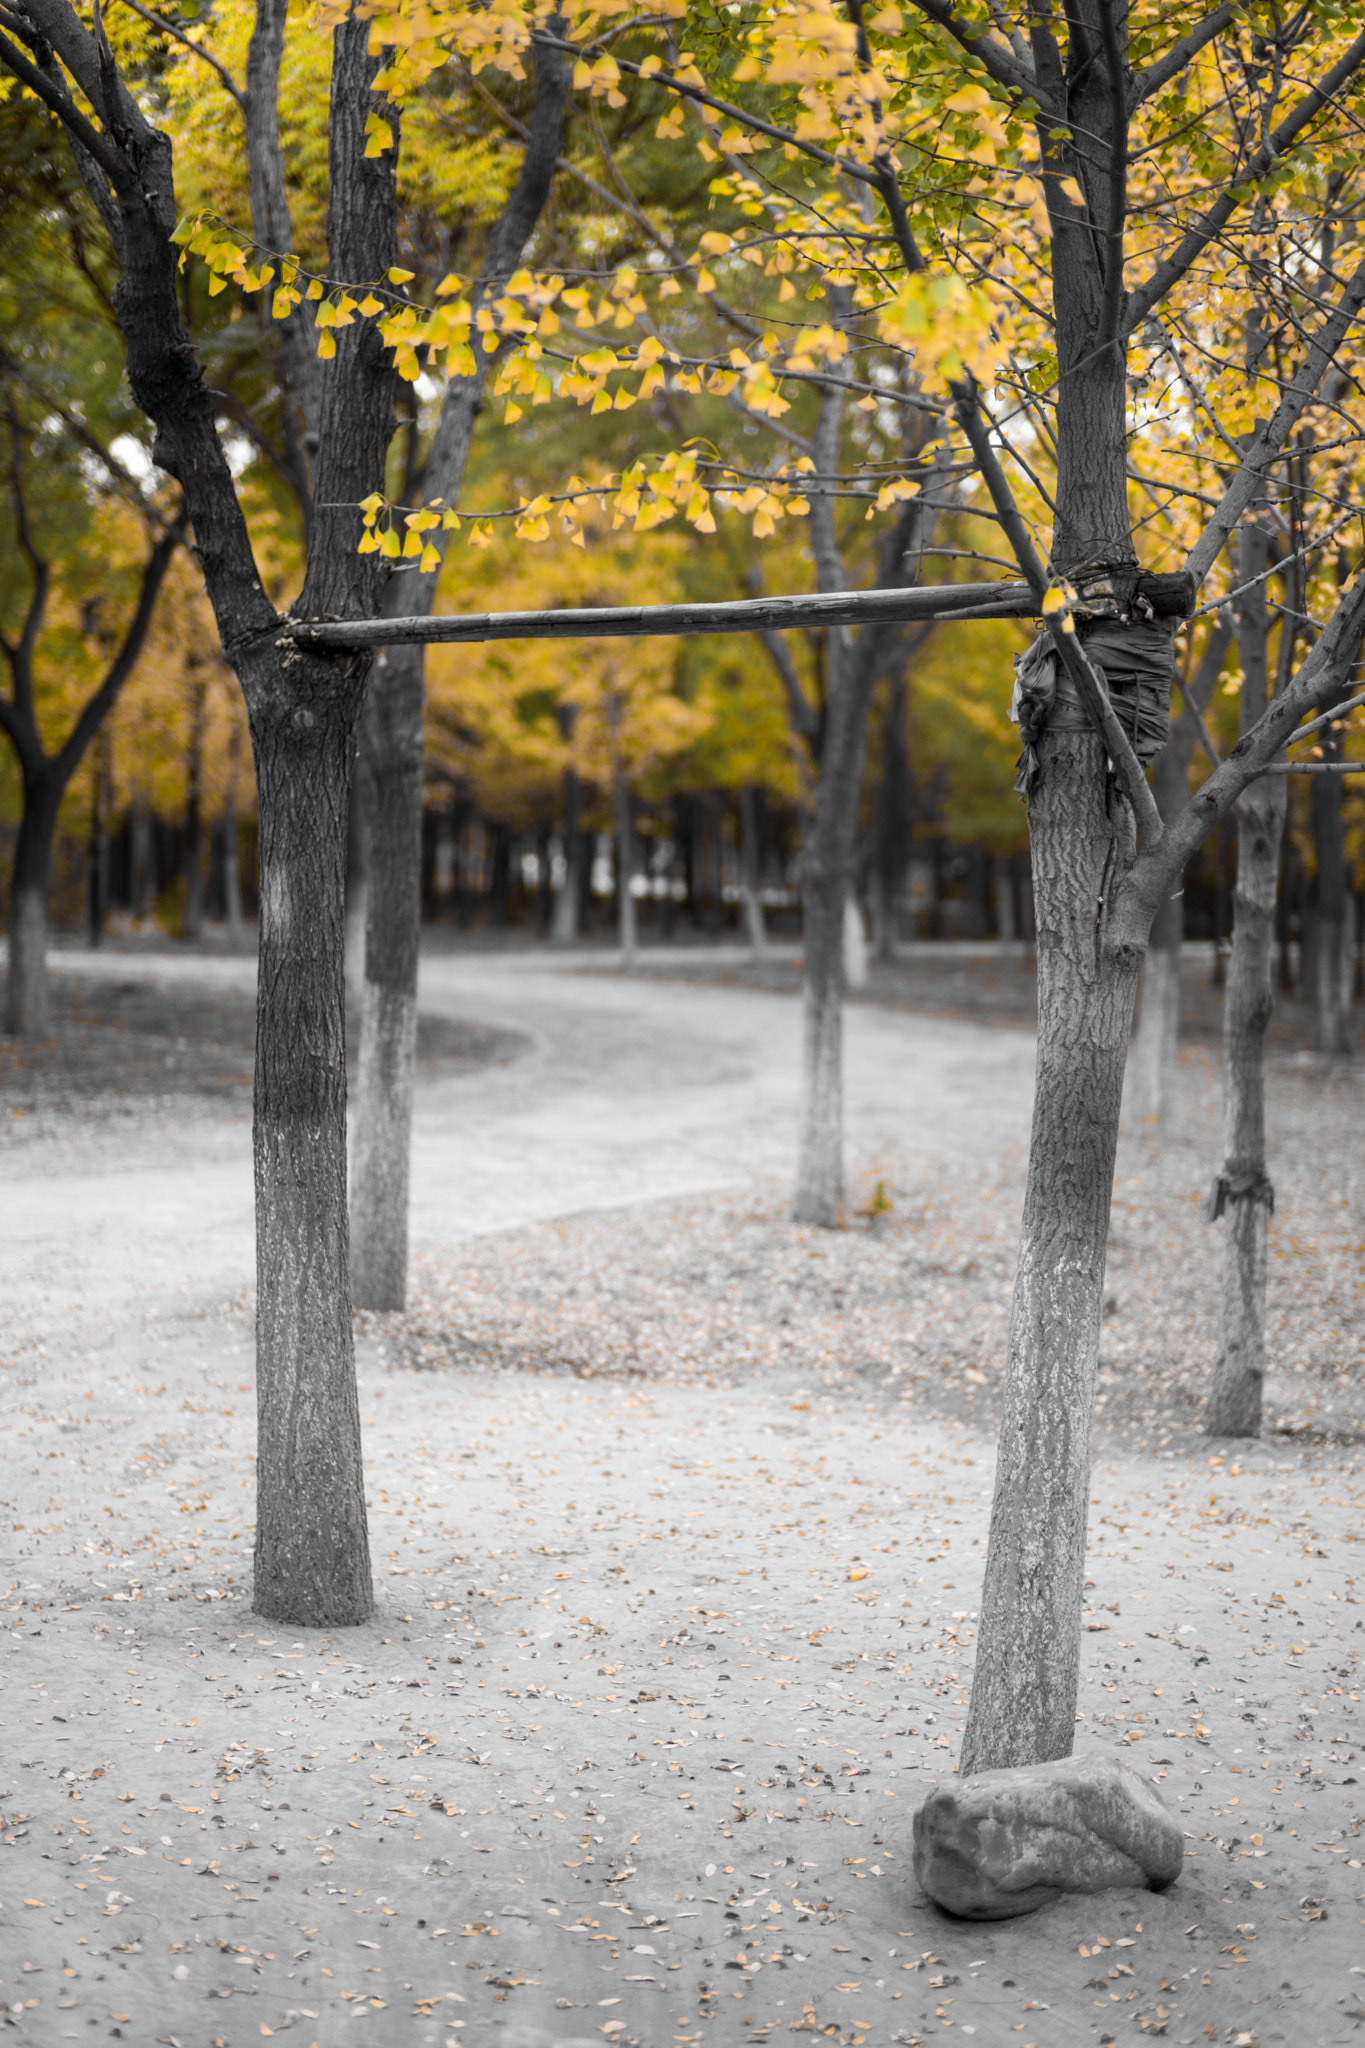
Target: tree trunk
{"x": 1284, "y": 917}
{"x": 312, "y": 1546}
{"x": 143, "y": 888}
{"x": 1330, "y": 993}
{"x": 564, "y": 925}
{"x": 498, "y": 840}
{"x": 625, "y": 872}
{"x": 1023, "y": 1701}
{"x": 392, "y": 784}
{"x": 1006, "y": 912}
{"x": 358, "y": 865}
{"x": 819, "y": 1195}
{"x": 193, "y": 914}
{"x": 890, "y": 829}
{"x": 751, "y": 868}
{"x": 192, "y": 917}
{"x": 1222, "y": 900}
{"x": 1242, "y": 1190}
{"x": 232, "y": 876}
{"x": 1023, "y": 1704}
{"x": 685, "y": 827}
{"x": 391, "y": 767}
{"x": 935, "y": 908}
{"x": 855, "y": 943}
{"x": 545, "y": 901}
{"x": 1152, "y": 1062}
{"x": 28, "y": 1009}
{"x": 97, "y": 895}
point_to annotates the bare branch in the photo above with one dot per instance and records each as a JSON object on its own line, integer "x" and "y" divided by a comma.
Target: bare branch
{"x": 1169, "y": 272}
{"x": 21, "y": 655}
{"x": 1319, "y": 677}
{"x": 99, "y": 703}
{"x": 993, "y": 55}
{"x": 1268, "y": 444}
{"x": 800, "y": 710}
{"x": 168, "y": 28}
{"x": 847, "y": 164}
{"x": 1338, "y": 711}
{"x": 115, "y": 166}
{"x": 1182, "y": 54}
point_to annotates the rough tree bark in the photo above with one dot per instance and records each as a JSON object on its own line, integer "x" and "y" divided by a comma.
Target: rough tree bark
{"x": 1243, "y": 1193}
{"x": 1023, "y": 1705}
{"x": 1152, "y": 1059}
{"x": 392, "y": 784}
{"x": 312, "y": 1547}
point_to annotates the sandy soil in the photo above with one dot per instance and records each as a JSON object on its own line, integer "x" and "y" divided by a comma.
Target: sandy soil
{"x": 727, "y": 1484}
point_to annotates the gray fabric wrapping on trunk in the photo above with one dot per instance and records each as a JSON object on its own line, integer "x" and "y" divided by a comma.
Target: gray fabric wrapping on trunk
{"x": 1135, "y": 662}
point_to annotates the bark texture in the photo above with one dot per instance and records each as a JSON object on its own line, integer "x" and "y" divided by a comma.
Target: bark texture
{"x": 312, "y": 1562}
{"x": 312, "y": 1548}
{"x": 1023, "y": 1704}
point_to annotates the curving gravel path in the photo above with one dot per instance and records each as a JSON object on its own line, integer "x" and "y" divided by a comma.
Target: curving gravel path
{"x": 725, "y": 1486}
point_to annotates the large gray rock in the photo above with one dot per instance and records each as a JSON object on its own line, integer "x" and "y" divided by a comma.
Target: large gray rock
{"x": 1006, "y": 1842}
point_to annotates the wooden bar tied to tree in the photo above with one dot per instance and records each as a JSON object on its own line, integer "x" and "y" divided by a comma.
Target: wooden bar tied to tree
{"x": 1170, "y": 596}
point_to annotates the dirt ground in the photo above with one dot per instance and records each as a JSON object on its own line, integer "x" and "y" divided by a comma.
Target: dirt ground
{"x": 638, "y": 1430}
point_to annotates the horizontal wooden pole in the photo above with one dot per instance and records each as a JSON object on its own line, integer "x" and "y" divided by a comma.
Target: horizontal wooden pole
{"x": 1169, "y": 595}
{"x": 1315, "y": 768}
{"x": 740, "y": 615}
